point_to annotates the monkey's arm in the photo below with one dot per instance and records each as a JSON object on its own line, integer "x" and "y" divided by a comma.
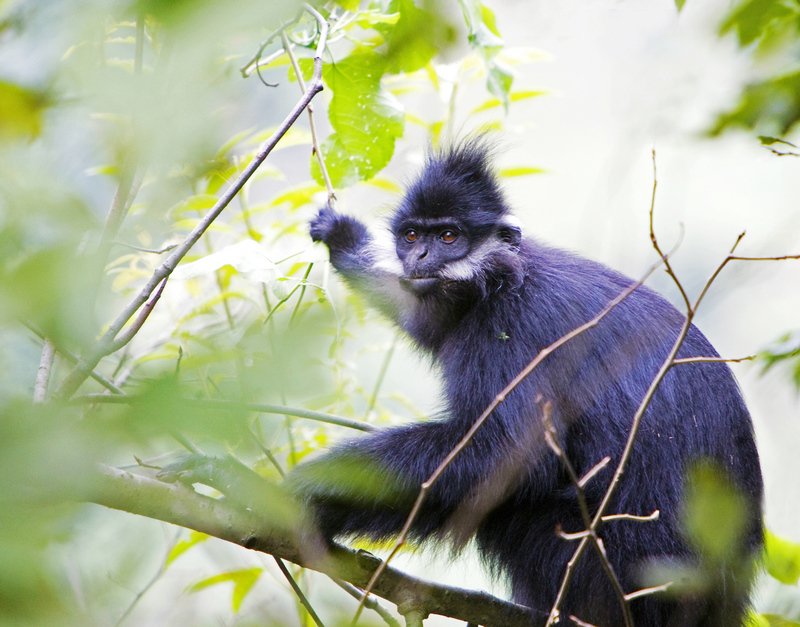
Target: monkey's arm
{"x": 368, "y": 486}
{"x": 361, "y": 261}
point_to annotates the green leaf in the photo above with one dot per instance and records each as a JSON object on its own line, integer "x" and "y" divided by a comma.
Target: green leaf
{"x": 21, "y": 111}
{"x": 243, "y": 581}
{"x": 519, "y": 171}
{"x": 715, "y": 512}
{"x": 514, "y": 96}
{"x": 759, "y": 19}
{"x": 366, "y": 118}
{"x": 679, "y": 4}
{"x": 298, "y": 196}
{"x": 348, "y": 5}
{"x": 782, "y": 559}
{"x": 768, "y": 141}
{"x": 772, "y": 105}
{"x": 195, "y": 538}
{"x": 411, "y": 41}
{"x": 485, "y": 39}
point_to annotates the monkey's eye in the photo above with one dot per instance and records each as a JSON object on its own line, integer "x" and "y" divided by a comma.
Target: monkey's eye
{"x": 448, "y": 237}
{"x": 411, "y": 235}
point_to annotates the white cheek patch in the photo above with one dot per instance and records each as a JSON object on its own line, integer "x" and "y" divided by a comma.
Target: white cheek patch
{"x": 472, "y": 265}
{"x": 383, "y": 252}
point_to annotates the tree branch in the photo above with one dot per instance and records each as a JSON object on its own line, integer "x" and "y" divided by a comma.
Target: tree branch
{"x": 175, "y": 503}
{"x": 215, "y": 404}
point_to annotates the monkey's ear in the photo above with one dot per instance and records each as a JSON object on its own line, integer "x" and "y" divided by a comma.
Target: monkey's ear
{"x": 510, "y": 232}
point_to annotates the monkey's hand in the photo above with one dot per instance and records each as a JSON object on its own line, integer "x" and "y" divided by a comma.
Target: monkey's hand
{"x": 342, "y": 234}
{"x": 350, "y": 494}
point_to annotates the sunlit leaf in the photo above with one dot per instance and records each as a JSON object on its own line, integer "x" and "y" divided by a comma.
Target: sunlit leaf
{"x": 366, "y": 118}
{"x": 715, "y": 514}
{"x": 514, "y": 96}
{"x": 519, "y": 171}
{"x": 782, "y": 559}
{"x": 772, "y": 105}
{"x": 242, "y": 580}
{"x": 195, "y": 538}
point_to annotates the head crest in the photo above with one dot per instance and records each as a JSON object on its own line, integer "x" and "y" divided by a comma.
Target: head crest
{"x": 457, "y": 181}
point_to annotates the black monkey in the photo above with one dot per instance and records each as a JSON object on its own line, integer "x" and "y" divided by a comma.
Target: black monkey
{"x": 482, "y": 300}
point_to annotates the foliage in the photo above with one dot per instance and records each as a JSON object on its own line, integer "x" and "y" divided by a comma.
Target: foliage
{"x": 770, "y": 29}
{"x": 144, "y": 101}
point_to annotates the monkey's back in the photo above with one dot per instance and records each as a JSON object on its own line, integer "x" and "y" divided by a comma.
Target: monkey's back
{"x": 595, "y": 384}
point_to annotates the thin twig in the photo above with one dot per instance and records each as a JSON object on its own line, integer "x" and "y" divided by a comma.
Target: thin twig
{"x": 711, "y": 360}
{"x": 371, "y": 603}
{"x": 381, "y": 375}
{"x": 105, "y": 345}
{"x": 43, "y": 373}
{"x": 144, "y": 314}
{"x": 216, "y": 404}
{"x": 551, "y": 436}
{"x": 314, "y": 140}
{"x": 632, "y": 518}
{"x": 73, "y": 359}
{"x": 158, "y": 251}
{"x": 150, "y": 583}
{"x": 300, "y": 595}
{"x": 646, "y": 591}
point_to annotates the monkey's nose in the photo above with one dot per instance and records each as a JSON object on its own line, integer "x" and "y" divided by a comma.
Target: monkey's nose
{"x": 423, "y": 254}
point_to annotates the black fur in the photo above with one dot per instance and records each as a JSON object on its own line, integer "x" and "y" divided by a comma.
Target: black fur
{"x": 507, "y": 487}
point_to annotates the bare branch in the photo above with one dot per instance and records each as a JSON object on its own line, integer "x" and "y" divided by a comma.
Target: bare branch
{"x": 298, "y": 592}
{"x": 632, "y": 518}
{"x": 157, "y": 251}
{"x": 177, "y": 504}
{"x": 597, "y": 468}
{"x": 43, "y": 373}
{"x": 215, "y": 404}
{"x": 73, "y": 359}
{"x": 371, "y": 603}
{"x": 646, "y": 591}
{"x": 144, "y": 313}
{"x": 711, "y": 360}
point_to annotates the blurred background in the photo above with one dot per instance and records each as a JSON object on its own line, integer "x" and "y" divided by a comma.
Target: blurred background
{"x": 605, "y": 83}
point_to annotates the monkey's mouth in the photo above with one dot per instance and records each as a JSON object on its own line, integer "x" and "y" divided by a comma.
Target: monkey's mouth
{"x": 419, "y": 285}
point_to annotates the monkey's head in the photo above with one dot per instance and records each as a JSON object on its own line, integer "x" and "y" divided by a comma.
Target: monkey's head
{"x": 453, "y": 224}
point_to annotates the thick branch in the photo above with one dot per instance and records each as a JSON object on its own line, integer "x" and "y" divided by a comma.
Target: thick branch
{"x": 177, "y": 504}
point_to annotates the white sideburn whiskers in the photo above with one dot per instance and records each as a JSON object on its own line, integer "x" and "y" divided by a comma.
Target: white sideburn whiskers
{"x": 470, "y": 266}
{"x": 384, "y": 253}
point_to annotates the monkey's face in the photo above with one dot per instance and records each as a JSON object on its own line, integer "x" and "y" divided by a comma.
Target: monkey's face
{"x": 428, "y": 248}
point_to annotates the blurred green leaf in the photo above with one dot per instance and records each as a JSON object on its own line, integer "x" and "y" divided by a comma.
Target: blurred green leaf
{"x": 485, "y": 39}
{"x": 242, "y": 580}
{"x": 519, "y": 171}
{"x": 715, "y": 515}
{"x": 412, "y": 39}
{"x": 514, "y": 96}
{"x": 679, "y": 4}
{"x": 772, "y": 105}
{"x": 769, "y": 141}
{"x": 761, "y": 19}
{"x": 782, "y": 559}
{"x": 21, "y": 111}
